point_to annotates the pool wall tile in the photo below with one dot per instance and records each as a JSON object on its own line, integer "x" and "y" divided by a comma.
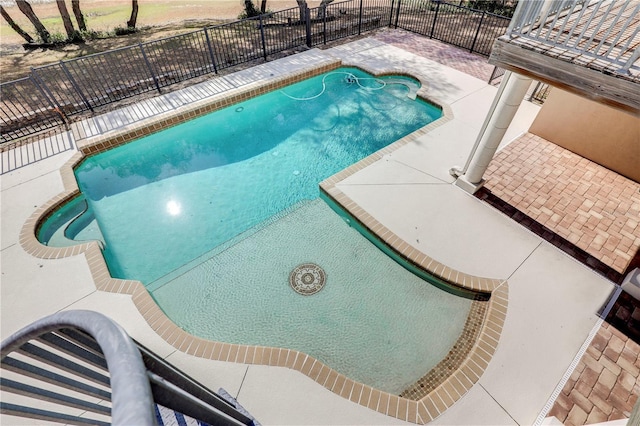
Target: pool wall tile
{"x": 392, "y": 408}
{"x": 322, "y": 375}
{"x": 183, "y": 342}
{"x": 282, "y": 358}
{"x": 173, "y": 335}
{"x": 430, "y": 404}
{"x": 259, "y": 355}
{"x": 423, "y": 415}
{"x": 365, "y": 395}
{"x": 403, "y": 409}
{"x": 331, "y": 379}
{"x": 251, "y": 350}
{"x": 266, "y": 356}
{"x": 454, "y": 387}
{"x": 162, "y": 324}
{"x": 314, "y": 373}
{"x": 470, "y": 372}
{"x": 356, "y": 392}
{"x": 273, "y": 356}
{"x": 176, "y": 338}
{"x": 307, "y": 365}
{"x": 339, "y": 384}
{"x": 291, "y": 359}
{"x": 238, "y": 353}
{"x": 438, "y": 402}
{"x": 374, "y": 399}
{"x": 155, "y": 315}
{"x": 444, "y": 396}
{"x": 193, "y": 346}
{"x": 412, "y": 412}
{"x": 347, "y": 388}
{"x": 300, "y": 360}
{"x": 215, "y": 351}
{"x": 383, "y": 403}
{"x": 448, "y": 388}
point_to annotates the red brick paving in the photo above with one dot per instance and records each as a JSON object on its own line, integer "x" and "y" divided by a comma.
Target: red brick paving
{"x": 591, "y": 206}
{"x": 605, "y": 384}
{"x": 445, "y": 54}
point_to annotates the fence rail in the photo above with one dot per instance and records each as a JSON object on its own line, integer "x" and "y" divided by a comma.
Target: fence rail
{"x": 454, "y": 24}
{"x": 54, "y": 92}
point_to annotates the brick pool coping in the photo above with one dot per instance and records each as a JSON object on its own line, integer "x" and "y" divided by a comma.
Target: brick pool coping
{"x": 429, "y": 397}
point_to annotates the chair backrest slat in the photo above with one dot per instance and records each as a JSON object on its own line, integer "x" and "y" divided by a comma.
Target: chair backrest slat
{"x": 52, "y": 416}
{"x": 62, "y": 363}
{"x": 71, "y": 348}
{"x": 8, "y": 385}
{"x": 35, "y": 372}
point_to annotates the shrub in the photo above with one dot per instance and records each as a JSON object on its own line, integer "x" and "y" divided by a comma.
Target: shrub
{"x": 120, "y": 31}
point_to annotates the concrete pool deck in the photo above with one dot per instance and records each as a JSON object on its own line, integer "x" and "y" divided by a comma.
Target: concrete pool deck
{"x": 553, "y": 300}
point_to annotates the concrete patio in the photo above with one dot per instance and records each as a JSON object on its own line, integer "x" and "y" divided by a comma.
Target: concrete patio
{"x": 553, "y": 299}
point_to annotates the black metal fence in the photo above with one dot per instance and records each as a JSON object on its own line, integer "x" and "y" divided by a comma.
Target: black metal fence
{"x": 54, "y": 92}
{"x": 454, "y": 24}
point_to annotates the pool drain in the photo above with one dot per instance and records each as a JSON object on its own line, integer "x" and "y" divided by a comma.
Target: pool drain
{"x": 307, "y": 279}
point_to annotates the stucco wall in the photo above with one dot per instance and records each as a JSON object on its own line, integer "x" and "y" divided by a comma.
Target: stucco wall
{"x": 605, "y": 135}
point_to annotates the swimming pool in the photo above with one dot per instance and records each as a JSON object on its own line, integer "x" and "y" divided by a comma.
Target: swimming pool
{"x": 214, "y": 188}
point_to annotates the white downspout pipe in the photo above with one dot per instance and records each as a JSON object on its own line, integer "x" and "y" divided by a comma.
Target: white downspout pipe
{"x": 508, "y": 99}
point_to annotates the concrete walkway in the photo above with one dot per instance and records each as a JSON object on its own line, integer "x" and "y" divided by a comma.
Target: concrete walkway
{"x": 553, "y": 300}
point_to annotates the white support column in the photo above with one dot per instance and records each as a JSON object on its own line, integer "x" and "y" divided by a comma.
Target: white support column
{"x": 511, "y": 93}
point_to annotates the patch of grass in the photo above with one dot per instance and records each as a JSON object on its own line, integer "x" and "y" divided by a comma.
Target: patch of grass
{"x": 103, "y": 18}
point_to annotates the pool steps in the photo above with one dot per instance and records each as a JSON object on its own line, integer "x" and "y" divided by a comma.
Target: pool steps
{"x": 413, "y": 87}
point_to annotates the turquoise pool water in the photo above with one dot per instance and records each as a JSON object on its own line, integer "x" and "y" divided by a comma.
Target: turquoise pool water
{"x": 373, "y": 321}
{"x": 167, "y": 198}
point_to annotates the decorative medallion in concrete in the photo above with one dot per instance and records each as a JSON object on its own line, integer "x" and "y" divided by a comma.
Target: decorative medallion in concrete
{"x": 307, "y": 279}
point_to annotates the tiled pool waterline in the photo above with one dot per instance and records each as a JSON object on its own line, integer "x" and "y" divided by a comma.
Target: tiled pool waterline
{"x": 423, "y": 401}
{"x": 401, "y": 193}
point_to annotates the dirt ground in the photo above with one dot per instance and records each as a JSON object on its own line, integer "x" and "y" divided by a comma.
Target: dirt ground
{"x": 156, "y": 19}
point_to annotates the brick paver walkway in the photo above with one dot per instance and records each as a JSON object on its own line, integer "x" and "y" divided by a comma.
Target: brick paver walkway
{"x": 445, "y": 54}
{"x": 589, "y": 205}
{"x": 606, "y": 382}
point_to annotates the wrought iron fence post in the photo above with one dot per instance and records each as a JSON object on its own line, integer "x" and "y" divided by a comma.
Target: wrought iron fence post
{"x": 324, "y": 25}
{"x": 42, "y": 87}
{"x": 477, "y": 31}
{"x": 50, "y": 100}
{"x": 435, "y": 18}
{"x": 264, "y": 46}
{"x": 76, "y": 86}
{"x": 146, "y": 60}
{"x": 360, "y": 19}
{"x": 398, "y": 13}
{"x": 210, "y": 47}
{"x": 307, "y": 19}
